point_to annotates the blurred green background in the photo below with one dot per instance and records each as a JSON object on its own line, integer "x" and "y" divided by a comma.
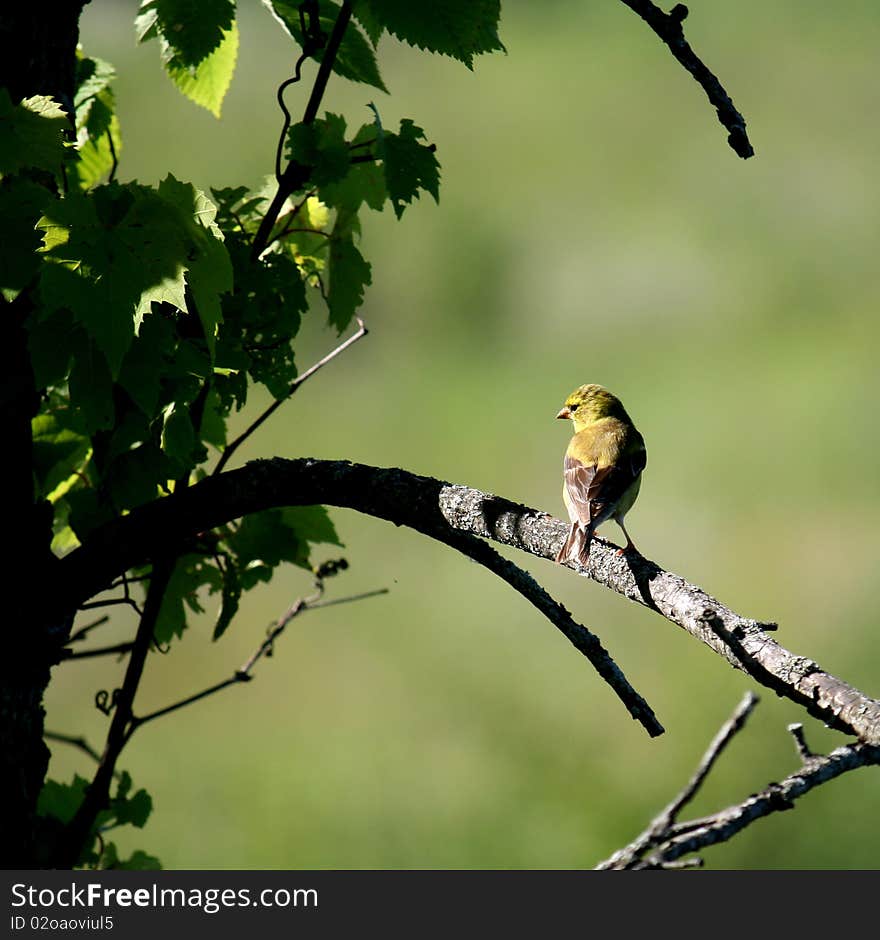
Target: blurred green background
{"x": 593, "y": 226}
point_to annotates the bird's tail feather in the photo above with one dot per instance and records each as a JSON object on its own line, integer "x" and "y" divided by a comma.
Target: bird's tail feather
{"x": 584, "y": 547}
{"x": 564, "y": 553}
{"x": 576, "y": 546}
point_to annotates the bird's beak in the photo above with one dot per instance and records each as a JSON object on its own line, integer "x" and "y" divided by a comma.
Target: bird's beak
{"x": 565, "y": 413}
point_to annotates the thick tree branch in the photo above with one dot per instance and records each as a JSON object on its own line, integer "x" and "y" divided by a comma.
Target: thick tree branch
{"x": 451, "y": 514}
{"x": 396, "y": 495}
{"x": 668, "y": 27}
{"x": 668, "y": 841}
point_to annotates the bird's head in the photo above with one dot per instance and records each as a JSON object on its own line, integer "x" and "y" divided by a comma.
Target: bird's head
{"x": 591, "y": 403}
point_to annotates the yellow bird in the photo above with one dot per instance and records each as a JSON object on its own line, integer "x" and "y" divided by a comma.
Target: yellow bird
{"x": 603, "y": 468}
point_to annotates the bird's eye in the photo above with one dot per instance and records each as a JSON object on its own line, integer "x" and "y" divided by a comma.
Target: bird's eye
{"x": 572, "y": 407}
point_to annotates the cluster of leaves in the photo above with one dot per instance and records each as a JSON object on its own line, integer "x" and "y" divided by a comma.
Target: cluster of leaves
{"x": 153, "y": 310}
{"x": 59, "y": 802}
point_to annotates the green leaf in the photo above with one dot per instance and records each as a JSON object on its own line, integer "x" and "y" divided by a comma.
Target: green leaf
{"x": 64, "y": 540}
{"x": 178, "y": 434}
{"x": 260, "y": 543}
{"x": 207, "y": 83}
{"x": 213, "y": 429}
{"x": 349, "y": 274}
{"x": 311, "y": 524}
{"x": 191, "y": 573}
{"x": 50, "y": 343}
{"x": 264, "y": 540}
{"x": 62, "y": 800}
{"x": 457, "y": 28}
{"x": 320, "y": 145}
{"x": 106, "y": 251}
{"x": 131, "y": 430}
{"x": 238, "y": 208}
{"x": 31, "y": 134}
{"x": 190, "y": 31}
{"x": 138, "y": 476}
{"x": 409, "y": 166}
{"x": 92, "y": 77}
{"x": 141, "y": 861}
{"x": 364, "y": 182}
{"x": 87, "y": 511}
{"x": 115, "y": 251}
{"x": 137, "y": 861}
{"x": 91, "y": 387}
{"x": 209, "y": 269}
{"x": 124, "y": 809}
{"x": 147, "y": 362}
{"x": 98, "y": 155}
{"x": 231, "y": 596}
{"x": 21, "y": 205}
{"x": 355, "y": 59}
{"x": 97, "y": 128}
{"x": 103, "y": 307}
{"x": 58, "y": 452}
{"x": 261, "y": 318}
{"x": 303, "y": 233}
{"x": 373, "y": 27}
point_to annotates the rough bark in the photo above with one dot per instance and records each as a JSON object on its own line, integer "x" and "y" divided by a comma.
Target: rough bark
{"x": 37, "y": 57}
{"x": 443, "y": 511}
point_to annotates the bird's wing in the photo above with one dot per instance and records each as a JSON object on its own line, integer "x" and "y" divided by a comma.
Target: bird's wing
{"x": 579, "y": 479}
{"x": 638, "y": 461}
{"x": 593, "y": 490}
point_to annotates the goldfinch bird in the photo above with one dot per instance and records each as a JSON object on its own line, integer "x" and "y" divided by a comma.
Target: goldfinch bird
{"x": 603, "y": 468}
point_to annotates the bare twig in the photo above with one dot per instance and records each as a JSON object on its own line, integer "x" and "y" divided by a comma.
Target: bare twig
{"x": 772, "y": 799}
{"x": 662, "y": 824}
{"x": 665, "y": 843}
{"x": 668, "y": 27}
{"x": 446, "y": 512}
{"x": 117, "y": 648}
{"x": 347, "y": 600}
{"x": 112, "y": 602}
{"x": 800, "y": 742}
{"x": 730, "y": 728}
{"x": 668, "y": 849}
{"x": 83, "y": 632}
{"x": 233, "y": 446}
{"x": 76, "y": 741}
{"x": 125, "y": 581}
{"x": 692, "y": 862}
{"x": 243, "y": 673}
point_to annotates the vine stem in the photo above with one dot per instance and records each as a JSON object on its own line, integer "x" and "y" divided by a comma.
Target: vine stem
{"x": 295, "y": 174}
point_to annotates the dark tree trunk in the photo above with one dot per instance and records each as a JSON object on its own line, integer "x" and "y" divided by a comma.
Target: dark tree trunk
{"x": 37, "y": 57}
